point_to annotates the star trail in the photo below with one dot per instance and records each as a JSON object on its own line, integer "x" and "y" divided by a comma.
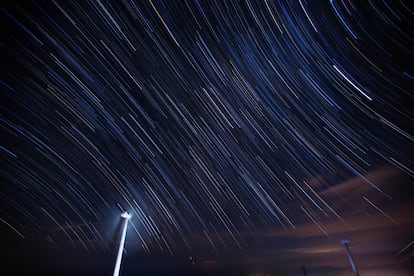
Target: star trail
{"x": 238, "y": 134}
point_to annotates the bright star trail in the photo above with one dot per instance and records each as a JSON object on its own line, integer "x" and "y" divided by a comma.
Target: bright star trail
{"x": 242, "y": 136}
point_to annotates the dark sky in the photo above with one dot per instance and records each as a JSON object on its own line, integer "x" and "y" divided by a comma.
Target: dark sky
{"x": 244, "y": 137}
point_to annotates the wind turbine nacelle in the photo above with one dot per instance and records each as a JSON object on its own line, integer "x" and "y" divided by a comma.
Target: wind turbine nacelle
{"x": 126, "y": 215}
{"x": 345, "y": 241}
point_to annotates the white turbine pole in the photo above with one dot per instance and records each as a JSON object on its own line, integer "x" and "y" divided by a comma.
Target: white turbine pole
{"x": 351, "y": 260}
{"x": 125, "y": 216}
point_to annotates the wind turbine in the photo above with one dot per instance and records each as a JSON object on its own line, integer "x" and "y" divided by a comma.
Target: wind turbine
{"x": 125, "y": 216}
{"x": 351, "y": 260}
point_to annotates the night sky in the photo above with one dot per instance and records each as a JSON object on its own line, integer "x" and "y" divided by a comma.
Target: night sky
{"x": 244, "y": 137}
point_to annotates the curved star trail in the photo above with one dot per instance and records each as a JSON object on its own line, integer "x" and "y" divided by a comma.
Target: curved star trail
{"x": 215, "y": 123}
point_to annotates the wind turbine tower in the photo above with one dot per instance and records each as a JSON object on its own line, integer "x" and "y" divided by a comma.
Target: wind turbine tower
{"x": 125, "y": 216}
